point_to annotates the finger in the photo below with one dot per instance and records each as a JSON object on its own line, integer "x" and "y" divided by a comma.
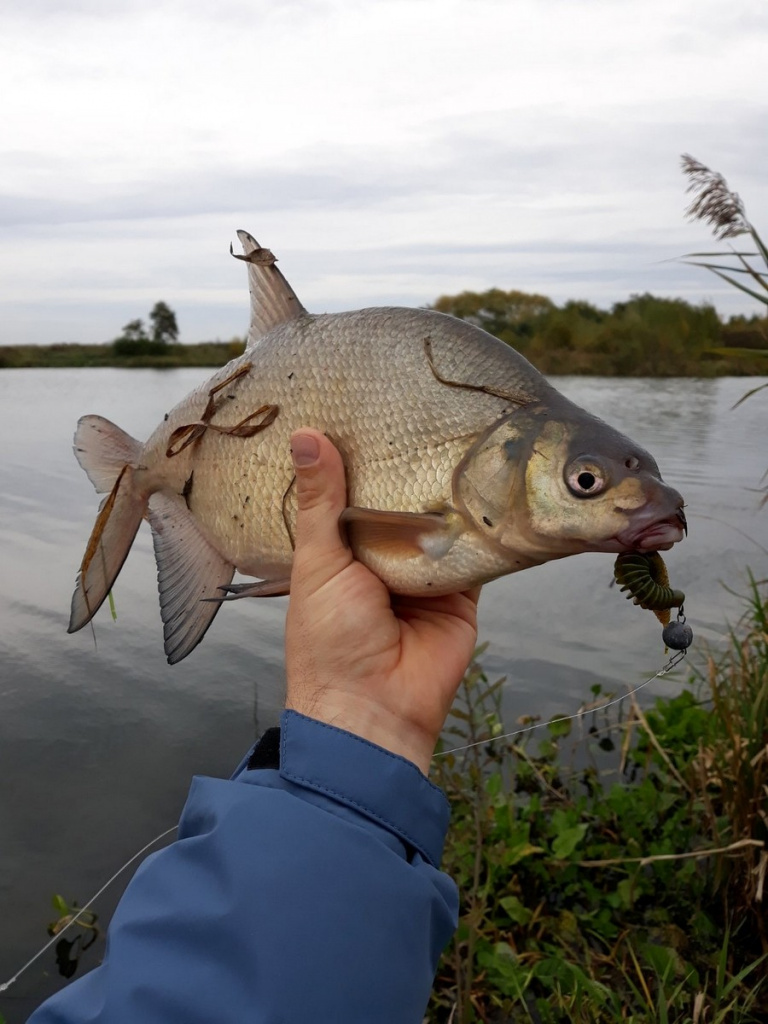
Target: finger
{"x": 322, "y": 496}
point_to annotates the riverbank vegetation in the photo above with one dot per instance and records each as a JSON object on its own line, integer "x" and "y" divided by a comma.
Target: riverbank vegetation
{"x": 642, "y": 337}
{"x": 614, "y": 870}
{"x": 211, "y": 353}
{"x": 645, "y": 336}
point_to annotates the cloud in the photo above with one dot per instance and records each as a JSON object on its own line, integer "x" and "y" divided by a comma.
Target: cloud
{"x": 388, "y": 152}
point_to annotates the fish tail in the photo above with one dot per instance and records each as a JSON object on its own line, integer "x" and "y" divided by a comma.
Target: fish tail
{"x": 103, "y": 449}
{"x": 109, "y": 456}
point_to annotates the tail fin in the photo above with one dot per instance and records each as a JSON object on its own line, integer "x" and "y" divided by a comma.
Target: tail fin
{"x": 102, "y": 449}
{"x": 105, "y": 452}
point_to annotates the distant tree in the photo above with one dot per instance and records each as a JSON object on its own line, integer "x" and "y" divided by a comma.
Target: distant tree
{"x": 165, "y": 330}
{"x": 134, "y": 341}
{"x": 584, "y": 310}
{"x": 512, "y": 316}
{"x": 134, "y": 331}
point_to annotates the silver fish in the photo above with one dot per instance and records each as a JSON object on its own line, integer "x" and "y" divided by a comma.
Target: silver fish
{"x": 463, "y": 463}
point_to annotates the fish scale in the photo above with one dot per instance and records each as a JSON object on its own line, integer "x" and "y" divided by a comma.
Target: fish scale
{"x": 463, "y": 463}
{"x": 421, "y": 474}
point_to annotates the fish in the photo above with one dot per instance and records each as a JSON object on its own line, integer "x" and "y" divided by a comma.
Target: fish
{"x": 463, "y": 463}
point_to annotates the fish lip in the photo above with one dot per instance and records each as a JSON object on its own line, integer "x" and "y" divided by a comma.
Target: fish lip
{"x": 660, "y": 535}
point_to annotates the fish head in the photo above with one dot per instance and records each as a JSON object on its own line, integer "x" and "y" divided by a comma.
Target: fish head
{"x": 542, "y": 486}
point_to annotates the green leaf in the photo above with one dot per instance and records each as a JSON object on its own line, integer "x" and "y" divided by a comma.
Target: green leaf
{"x": 723, "y": 266}
{"x": 625, "y": 890}
{"x": 568, "y": 840}
{"x": 520, "y": 852}
{"x": 664, "y": 960}
{"x": 719, "y": 252}
{"x": 741, "y": 287}
{"x": 548, "y": 750}
{"x": 60, "y": 905}
{"x": 759, "y": 243}
{"x": 493, "y": 786}
{"x": 504, "y": 969}
{"x": 560, "y": 725}
{"x": 754, "y": 274}
{"x": 738, "y": 978}
{"x": 517, "y": 911}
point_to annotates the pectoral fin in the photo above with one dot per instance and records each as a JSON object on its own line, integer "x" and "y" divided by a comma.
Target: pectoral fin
{"x": 402, "y": 534}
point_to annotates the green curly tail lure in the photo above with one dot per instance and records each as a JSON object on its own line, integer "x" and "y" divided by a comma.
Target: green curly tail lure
{"x": 646, "y": 580}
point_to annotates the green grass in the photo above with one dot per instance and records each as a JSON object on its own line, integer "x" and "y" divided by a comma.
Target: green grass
{"x": 618, "y": 875}
{"x": 213, "y": 353}
{"x": 730, "y": 352}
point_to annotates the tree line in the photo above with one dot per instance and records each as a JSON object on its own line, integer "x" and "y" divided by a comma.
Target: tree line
{"x": 643, "y": 336}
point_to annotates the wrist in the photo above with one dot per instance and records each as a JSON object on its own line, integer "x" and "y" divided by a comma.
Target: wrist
{"x": 371, "y": 722}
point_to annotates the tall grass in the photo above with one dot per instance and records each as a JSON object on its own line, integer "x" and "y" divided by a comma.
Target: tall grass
{"x": 723, "y": 210}
{"x": 717, "y": 205}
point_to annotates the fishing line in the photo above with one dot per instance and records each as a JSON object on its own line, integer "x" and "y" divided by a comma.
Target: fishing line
{"x": 673, "y": 661}
{"x": 724, "y": 522}
{"x": 75, "y": 917}
{"x": 676, "y": 658}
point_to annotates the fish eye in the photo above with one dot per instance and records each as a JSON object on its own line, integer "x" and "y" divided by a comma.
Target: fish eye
{"x": 585, "y": 478}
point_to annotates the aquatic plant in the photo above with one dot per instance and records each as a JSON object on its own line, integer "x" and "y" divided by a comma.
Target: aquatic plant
{"x": 87, "y": 931}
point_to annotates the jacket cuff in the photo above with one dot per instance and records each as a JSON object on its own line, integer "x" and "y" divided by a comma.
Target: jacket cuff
{"x": 377, "y": 783}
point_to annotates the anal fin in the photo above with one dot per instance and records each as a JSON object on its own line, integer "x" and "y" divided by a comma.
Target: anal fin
{"x": 189, "y": 572}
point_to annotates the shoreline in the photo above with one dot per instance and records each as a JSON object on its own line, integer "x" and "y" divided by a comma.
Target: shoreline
{"x": 716, "y": 362}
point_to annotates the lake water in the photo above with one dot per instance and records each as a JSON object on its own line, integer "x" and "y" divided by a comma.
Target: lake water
{"x": 98, "y": 739}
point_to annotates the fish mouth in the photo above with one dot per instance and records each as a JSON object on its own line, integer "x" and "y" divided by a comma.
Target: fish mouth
{"x": 659, "y": 535}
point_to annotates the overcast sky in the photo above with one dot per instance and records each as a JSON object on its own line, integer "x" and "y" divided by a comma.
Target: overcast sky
{"x": 388, "y": 151}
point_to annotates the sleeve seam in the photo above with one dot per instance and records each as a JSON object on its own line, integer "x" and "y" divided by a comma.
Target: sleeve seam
{"x": 368, "y": 811}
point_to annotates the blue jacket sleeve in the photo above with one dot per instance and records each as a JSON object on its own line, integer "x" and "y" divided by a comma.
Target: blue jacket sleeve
{"x": 306, "y": 893}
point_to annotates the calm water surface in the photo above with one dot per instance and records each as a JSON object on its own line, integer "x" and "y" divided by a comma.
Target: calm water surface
{"x": 98, "y": 738}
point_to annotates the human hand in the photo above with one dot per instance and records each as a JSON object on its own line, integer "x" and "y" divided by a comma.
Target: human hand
{"x": 382, "y": 666}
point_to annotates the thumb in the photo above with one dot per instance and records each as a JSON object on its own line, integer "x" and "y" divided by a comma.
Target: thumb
{"x": 322, "y": 496}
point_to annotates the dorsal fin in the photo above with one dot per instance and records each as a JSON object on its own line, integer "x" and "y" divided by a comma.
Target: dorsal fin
{"x": 273, "y": 301}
